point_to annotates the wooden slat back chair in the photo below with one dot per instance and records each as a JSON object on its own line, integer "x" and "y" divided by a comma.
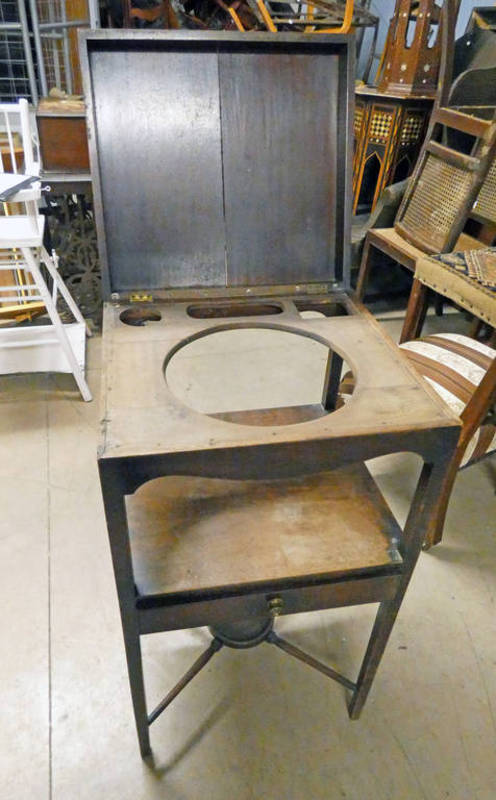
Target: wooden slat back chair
{"x": 461, "y": 369}
{"x": 21, "y": 254}
{"x": 463, "y": 372}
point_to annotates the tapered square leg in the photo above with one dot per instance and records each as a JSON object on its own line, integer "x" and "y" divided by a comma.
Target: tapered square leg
{"x": 415, "y": 312}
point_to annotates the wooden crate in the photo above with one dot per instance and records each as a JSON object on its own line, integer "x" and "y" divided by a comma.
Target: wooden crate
{"x": 63, "y": 138}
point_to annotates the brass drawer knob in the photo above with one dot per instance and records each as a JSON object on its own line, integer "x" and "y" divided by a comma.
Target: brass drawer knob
{"x": 275, "y": 606}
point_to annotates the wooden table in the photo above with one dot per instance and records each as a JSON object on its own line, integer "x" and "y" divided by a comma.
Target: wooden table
{"x": 219, "y": 519}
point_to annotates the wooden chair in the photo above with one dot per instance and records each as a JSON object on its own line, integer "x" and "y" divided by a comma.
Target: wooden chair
{"x": 34, "y": 349}
{"x": 160, "y": 15}
{"x": 446, "y": 181}
{"x": 440, "y": 197}
{"x": 462, "y": 370}
{"x": 323, "y": 16}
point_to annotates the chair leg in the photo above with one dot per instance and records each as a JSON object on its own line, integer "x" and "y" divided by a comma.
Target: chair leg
{"x": 439, "y": 305}
{"x": 57, "y": 323}
{"x": 364, "y": 271}
{"x": 434, "y": 532}
{"x": 415, "y": 312}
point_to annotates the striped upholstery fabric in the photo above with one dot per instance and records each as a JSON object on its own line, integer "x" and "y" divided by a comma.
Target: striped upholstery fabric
{"x": 454, "y": 365}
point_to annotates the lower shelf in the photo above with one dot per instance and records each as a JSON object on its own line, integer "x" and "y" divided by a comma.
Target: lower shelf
{"x": 197, "y": 536}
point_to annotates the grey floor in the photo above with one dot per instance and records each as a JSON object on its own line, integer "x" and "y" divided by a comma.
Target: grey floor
{"x": 254, "y": 724}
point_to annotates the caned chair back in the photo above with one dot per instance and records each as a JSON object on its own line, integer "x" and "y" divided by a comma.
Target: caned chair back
{"x": 447, "y": 181}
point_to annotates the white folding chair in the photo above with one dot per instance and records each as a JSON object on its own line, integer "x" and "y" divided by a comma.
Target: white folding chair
{"x": 33, "y": 348}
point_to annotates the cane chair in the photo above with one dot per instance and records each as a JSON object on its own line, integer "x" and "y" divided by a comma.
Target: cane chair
{"x": 446, "y": 181}
{"x": 483, "y": 210}
{"x": 444, "y": 188}
{"x": 22, "y": 254}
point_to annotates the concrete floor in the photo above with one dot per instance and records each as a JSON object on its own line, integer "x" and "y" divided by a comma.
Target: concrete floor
{"x": 254, "y": 724}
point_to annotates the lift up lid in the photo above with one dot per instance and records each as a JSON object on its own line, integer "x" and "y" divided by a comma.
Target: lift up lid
{"x": 219, "y": 159}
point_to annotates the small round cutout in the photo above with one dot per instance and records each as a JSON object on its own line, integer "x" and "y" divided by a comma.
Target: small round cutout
{"x": 139, "y": 316}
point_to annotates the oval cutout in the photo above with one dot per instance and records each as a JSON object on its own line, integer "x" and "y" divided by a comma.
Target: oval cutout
{"x": 230, "y": 310}
{"x": 139, "y": 316}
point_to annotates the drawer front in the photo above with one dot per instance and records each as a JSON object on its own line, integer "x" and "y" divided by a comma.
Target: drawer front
{"x": 215, "y": 611}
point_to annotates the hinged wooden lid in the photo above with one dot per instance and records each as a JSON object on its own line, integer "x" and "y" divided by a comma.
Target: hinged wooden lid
{"x": 219, "y": 159}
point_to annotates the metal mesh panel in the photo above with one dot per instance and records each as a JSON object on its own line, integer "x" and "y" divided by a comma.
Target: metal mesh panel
{"x": 57, "y": 23}
{"x": 14, "y": 80}
{"x": 485, "y": 204}
{"x": 54, "y": 45}
{"x": 437, "y": 201}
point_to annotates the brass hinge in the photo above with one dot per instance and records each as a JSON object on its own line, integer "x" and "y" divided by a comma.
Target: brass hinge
{"x": 140, "y": 297}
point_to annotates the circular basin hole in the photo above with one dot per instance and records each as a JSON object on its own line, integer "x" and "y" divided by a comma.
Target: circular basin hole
{"x": 240, "y": 374}
{"x": 140, "y": 316}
